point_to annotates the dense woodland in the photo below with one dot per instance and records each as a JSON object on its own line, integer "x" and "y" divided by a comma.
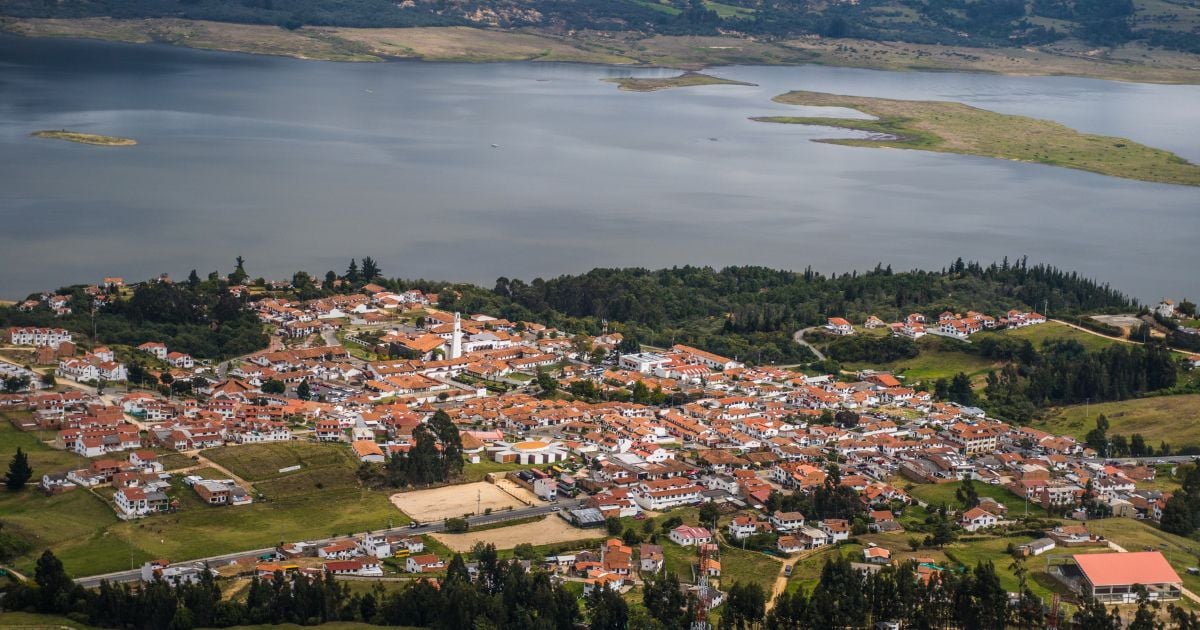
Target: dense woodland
{"x": 959, "y": 22}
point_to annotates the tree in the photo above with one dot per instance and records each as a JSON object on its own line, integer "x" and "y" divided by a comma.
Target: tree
{"x": 525, "y": 551}
{"x": 607, "y": 610}
{"x": 1144, "y": 617}
{"x": 1097, "y": 438}
{"x": 547, "y": 383}
{"x": 370, "y": 270}
{"x": 303, "y": 391}
{"x": 709, "y": 513}
{"x": 1094, "y": 616}
{"x": 239, "y": 274}
{"x": 613, "y": 525}
{"x": 967, "y": 495}
{"x": 19, "y": 471}
{"x": 457, "y": 525}
{"x": 846, "y": 419}
{"x": 960, "y": 390}
{"x": 273, "y": 386}
{"x": 56, "y": 589}
{"x": 352, "y": 272}
{"x": 665, "y": 601}
{"x": 745, "y": 607}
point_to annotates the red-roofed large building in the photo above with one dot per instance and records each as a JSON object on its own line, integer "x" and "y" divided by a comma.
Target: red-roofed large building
{"x": 1110, "y": 577}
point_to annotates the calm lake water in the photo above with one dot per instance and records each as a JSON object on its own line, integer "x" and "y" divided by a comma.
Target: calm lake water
{"x": 300, "y": 164}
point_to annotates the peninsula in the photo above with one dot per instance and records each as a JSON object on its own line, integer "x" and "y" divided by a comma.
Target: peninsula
{"x": 949, "y": 127}
{"x": 85, "y": 138}
{"x": 687, "y": 79}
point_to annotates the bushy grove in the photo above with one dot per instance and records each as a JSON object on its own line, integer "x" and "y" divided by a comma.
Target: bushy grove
{"x": 200, "y": 318}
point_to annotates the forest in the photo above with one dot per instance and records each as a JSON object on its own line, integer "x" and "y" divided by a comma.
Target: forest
{"x": 976, "y": 23}
{"x": 200, "y": 318}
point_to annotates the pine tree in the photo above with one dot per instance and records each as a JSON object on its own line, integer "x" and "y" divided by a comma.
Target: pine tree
{"x": 352, "y": 272}
{"x": 370, "y": 270}
{"x": 19, "y": 471}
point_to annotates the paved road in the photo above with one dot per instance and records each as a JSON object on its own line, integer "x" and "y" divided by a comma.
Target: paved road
{"x": 798, "y": 337}
{"x": 482, "y": 519}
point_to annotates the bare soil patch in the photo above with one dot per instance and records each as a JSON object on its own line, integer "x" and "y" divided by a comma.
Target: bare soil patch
{"x": 547, "y": 531}
{"x": 453, "y": 501}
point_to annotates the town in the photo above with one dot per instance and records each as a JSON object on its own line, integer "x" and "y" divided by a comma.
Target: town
{"x": 618, "y": 460}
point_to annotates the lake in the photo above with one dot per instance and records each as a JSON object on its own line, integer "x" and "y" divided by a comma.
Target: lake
{"x": 305, "y": 165}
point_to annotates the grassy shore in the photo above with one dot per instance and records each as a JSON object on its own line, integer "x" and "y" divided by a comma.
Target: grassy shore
{"x": 948, "y": 127}
{"x": 687, "y": 79}
{"x": 1126, "y": 63}
{"x": 85, "y": 138}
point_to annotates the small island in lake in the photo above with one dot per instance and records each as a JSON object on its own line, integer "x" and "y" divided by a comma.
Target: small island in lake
{"x": 687, "y": 79}
{"x": 950, "y": 127}
{"x": 85, "y": 138}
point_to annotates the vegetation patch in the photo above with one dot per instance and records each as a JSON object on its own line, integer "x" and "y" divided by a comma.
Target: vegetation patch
{"x": 258, "y": 462}
{"x": 687, "y": 79}
{"x": 948, "y": 127}
{"x": 85, "y": 138}
{"x": 1156, "y": 418}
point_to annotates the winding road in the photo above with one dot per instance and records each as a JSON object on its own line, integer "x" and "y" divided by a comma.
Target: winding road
{"x": 798, "y": 337}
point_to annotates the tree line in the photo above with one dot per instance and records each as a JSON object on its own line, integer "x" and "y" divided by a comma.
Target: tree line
{"x": 1064, "y": 372}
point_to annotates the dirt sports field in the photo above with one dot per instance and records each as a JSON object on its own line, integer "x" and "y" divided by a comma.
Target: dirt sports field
{"x": 440, "y": 503}
{"x": 549, "y": 530}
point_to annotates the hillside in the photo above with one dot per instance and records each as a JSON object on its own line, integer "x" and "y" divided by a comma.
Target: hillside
{"x": 973, "y": 23}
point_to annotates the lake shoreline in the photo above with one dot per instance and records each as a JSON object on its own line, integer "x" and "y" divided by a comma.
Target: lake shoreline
{"x": 689, "y": 53}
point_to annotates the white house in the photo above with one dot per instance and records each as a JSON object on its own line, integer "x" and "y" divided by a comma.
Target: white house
{"x": 689, "y": 536}
{"x": 787, "y": 521}
{"x": 976, "y": 519}
{"x": 839, "y": 326}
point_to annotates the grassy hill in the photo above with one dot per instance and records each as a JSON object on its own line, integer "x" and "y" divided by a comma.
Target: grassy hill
{"x": 1169, "y": 418}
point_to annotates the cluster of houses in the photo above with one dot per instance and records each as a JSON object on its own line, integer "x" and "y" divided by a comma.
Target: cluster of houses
{"x": 358, "y": 556}
{"x": 736, "y": 434}
{"x": 948, "y": 324}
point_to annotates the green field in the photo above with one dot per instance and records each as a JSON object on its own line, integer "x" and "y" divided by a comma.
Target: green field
{"x": 321, "y": 499}
{"x": 936, "y": 494}
{"x": 42, "y": 457}
{"x": 256, "y": 462}
{"x": 948, "y": 127}
{"x": 687, "y": 79}
{"x": 476, "y": 472}
{"x": 1041, "y": 333}
{"x": 729, "y": 10}
{"x": 1158, "y": 418}
{"x": 748, "y": 567}
{"x": 940, "y": 357}
{"x": 658, "y": 6}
